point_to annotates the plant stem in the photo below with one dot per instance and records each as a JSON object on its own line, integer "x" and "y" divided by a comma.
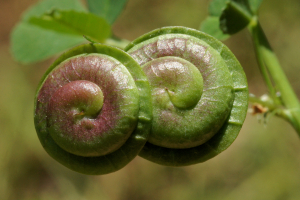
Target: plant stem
{"x": 265, "y": 103}
{"x": 272, "y": 108}
{"x": 120, "y": 43}
{"x": 269, "y": 63}
{"x": 263, "y": 69}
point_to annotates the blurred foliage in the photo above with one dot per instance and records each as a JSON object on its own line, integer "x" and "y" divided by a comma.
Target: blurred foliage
{"x": 263, "y": 163}
{"x": 57, "y": 41}
{"x": 108, "y": 9}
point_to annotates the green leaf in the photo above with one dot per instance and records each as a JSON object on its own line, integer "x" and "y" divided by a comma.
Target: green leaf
{"x": 47, "y": 6}
{"x": 254, "y": 5}
{"x": 108, "y": 9}
{"x": 211, "y": 26}
{"x": 47, "y": 22}
{"x": 30, "y": 43}
{"x": 236, "y": 16}
{"x": 76, "y": 23}
{"x": 216, "y": 7}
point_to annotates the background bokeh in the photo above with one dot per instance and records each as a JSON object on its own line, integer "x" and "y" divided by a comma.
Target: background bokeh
{"x": 263, "y": 163}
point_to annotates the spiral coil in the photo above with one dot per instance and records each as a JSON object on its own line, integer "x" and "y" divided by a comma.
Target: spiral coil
{"x": 85, "y": 130}
{"x": 94, "y": 106}
{"x": 194, "y": 134}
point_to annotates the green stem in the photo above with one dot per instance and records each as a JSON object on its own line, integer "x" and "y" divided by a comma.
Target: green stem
{"x": 113, "y": 41}
{"x": 272, "y": 108}
{"x": 268, "y": 104}
{"x": 268, "y": 61}
{"x": 264, "y": 71}
{"x": 120, "y": 43}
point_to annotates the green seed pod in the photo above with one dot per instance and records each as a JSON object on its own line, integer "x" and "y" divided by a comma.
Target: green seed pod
{"x": 199, "y": 95}
{"x": 93, "y": 109}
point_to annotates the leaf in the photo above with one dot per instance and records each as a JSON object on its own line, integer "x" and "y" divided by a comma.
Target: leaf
{"x": 254, "y": 5}
{"x": 31, "y": 43}
{"x": 39, "y": 36}
{"x": 76, "y": 23}
{"x": 47, "y": 6}
{"x": 108, "y": 9}
{"x": 216, "y": 7}
{"x": 47, "y": 22}
{"x": 235, "y": 17}
{"x": 211, "y": 26}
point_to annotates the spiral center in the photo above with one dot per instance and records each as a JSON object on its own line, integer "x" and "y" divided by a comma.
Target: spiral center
{"x": 83, "y": 98}
{"x": 174, "y": 79}
{"x": 175, "y": 126}
{"x": 78, "y": 101}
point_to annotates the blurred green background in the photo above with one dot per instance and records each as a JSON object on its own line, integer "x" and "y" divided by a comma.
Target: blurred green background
{"x": 263, "y": 163}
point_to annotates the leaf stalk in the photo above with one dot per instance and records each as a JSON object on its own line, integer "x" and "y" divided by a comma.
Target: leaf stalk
{"x": 269, "y": 65}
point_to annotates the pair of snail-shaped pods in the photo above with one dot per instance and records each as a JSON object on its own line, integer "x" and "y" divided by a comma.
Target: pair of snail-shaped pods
{"x": 176, "y": 97}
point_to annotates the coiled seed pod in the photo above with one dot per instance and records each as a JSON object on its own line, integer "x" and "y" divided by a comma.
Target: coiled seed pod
{"x": 93, "y": 109}
{"x": 199, "y": 95}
